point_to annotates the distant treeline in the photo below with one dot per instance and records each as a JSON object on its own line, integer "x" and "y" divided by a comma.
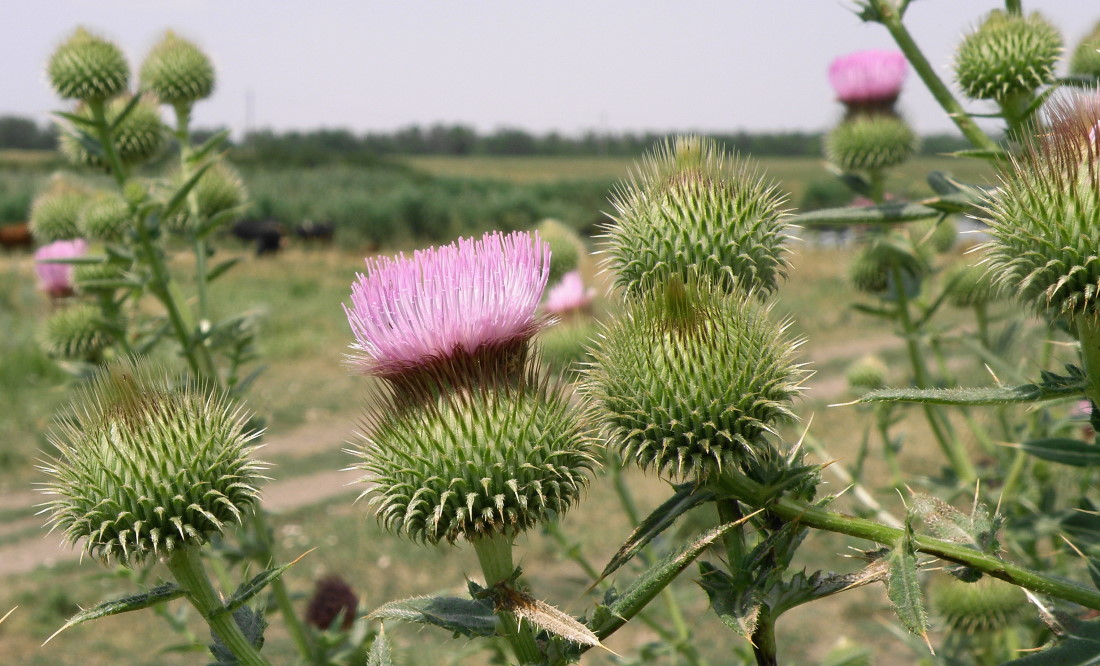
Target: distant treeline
{"x": 328, "y": 146}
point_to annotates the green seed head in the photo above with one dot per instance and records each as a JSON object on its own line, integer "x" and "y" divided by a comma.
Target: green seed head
{"x": 988, "y": 605}
{"x": 106, "y": 217}
{"x": 218, "y": 191}
{"x": 1086, "y": 57}
{"x": 691, "y": 380}
{"x": 691, "y": 209}
{"x": 54, "y": 213}
{"x": 970, "y": 286}
{"x": 478, "y": 463}
{"x": 566, "y": 248}
{"x": 866, "y": 374}
{"x": 139, "y": 137}
{"x": 1007, "y": 55}
{"x": 872, "y": 270}
{"x": 75, "y": 332}
{"x": 88, "y": 68}
{"x": 1044, "y": 219}
{"x": 870, "y": 142}
{"x": 147, "y": 464}
{"x": 177, "y": 72}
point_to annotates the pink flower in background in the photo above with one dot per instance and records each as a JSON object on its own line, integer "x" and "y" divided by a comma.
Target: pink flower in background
{"x": 447, "y": 302}
{"x": 57, "y": 279}
{"x": 868, "y": 77}
{"x": 568, "y": 295}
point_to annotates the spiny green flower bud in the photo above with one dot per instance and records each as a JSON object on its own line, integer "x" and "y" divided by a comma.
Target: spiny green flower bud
{"x": 866, "y": 374}
{"x": 139, "y": 137}
{"x": 939, "y": 236}
{"x": 1043, "y": 220}
{"x": 474, "y": 464}
{"x": 54, "y": 213}
{"x": 1007, "y": 55}
{"x": 692, "y": 380}
{"x": 1086, "y": 57}
{"x": 177, "y": 72}
{"x": 872, "y": 269}
{"x": 566, "y": 248}
{"x": 75, "y": 332}
{"x": 869, "y": 142}
{"x": 88, "y": 68}
{"x": 106, "y": 217}
{"x": 94, "y": 278}
{"x": 988, "y": 605}
{"x": 970, "y": 286}
{"x": 690, "y": 209}
{"x": 147, "y": 464}
{"x": 218, "y": 190}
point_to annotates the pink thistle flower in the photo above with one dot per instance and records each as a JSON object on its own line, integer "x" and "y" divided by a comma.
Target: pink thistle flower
{"x": 870, "y": 78}
{"x": 470, "y": 303}
{"x": 57, "y": 279}
{"x": 569, "y": 295}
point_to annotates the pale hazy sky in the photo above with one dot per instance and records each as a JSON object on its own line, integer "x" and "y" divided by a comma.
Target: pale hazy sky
{"x": 566, "y": 65}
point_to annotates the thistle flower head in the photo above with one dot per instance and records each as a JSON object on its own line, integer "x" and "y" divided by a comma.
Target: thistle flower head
{"x": 54, "y": 212}
{"x": 866, "y": 374}
{"x": 692, "y": 380}
{"x": 566, "y": 248}
{"x": 470, "y": 305}
{"x": 332, "y": 598}
{"x": 87, "y": 67}
{"x": 57, "y": 279}
{"x": 869, "y": 80}
{"x": 1086, "y": 57}
{"x": 147, "y": 464}
{"x": 1044, "y": 221}
{"x": 870, "y": 142}
{"x": 569, "y": 295}
{"x": 690, "y": 209}
{"x": 969, "y": 285}
{"x": 475, "y": 463}
{"x": 1007, "y": 55}
{"x": 177, "y": 72}
{"x": 105, "y": 216}
{"x": 139, "y": 137}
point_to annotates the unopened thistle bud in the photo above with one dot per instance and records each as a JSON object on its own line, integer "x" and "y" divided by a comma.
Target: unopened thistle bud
{"x": 692, "y": 380}
{"x": 1008, "y": 55}
{"x": 938, "y": 236}
{"x": 138, "y": 138}
{"x": 987, "y": 605}
{"x": 75, "y": 332}
{"x": 218, "y": 191}
{"x": 88, "y": 68}
{"x": 971, "y": 286}
{"x": 1086, "y": 57}
{"x": 868, "y": 81}
{"x": 692, "y": 210}
{"x": 1043, "y": 220}
{"x": 54, "y": 213}
{"x": 869, "y": 143}
{"x": 177, "y": 72}
{"x": 872, "y": 270}
{"x": 148, "y": 464}
{"x": 106, "y": 217}
{"x": 866, "y": 374}
{"x": 566, "y": 248}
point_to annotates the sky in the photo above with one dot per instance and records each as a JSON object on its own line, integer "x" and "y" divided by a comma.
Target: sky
{"x": 569, "y": 66}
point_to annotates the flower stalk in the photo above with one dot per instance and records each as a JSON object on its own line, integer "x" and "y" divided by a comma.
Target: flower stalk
{"x": 494, "y": 553}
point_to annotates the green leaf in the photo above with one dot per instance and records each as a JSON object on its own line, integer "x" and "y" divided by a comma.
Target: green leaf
{"x": 1080, "y": 646}
{"x": 466, "y": 617}
{"x": 251, "y": 623}
{"x": 881, "y": 214}
{"x": 686, "y": 498}
{"x": 121, "y": 117}
{"x": 254, "y": 586}
{"x": 992, "y": 395}
{"x": 157, "y": 595}
{"x": 542, "y": 615}
{"x": 874, "y": 310}
{"x": 737, "y": 609}
{"x": 76, "y": 119}
{"x": 181, "y": 194}
{"x": 903, "y": 586}
{"x": 216, "y": 271}
{"x": 1064, "y": 450}
{"x": 981, "y": 154}
{"x": 1083, "y": 524}
{"x": 208, "y": 146}
{"x": 380, "y": 652}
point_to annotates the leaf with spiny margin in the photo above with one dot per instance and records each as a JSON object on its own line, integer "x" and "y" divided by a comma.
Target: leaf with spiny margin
{"x": 251, "y": 623}
{"x": 903, "y": 586}
{"x": 978, "y": 529}
{"x": 880, "y": 214}
{"x": 1064, "y": 450}
{"x": 737, "y": 609}
{"x": 1080, "y": 646}
{"x": 543, "y": 615}
{"x": 472, "y": 618}
{"x": 251, "y": 588}
{"x": 686, "y": 498}
{"x": 208, "y": 146}
{"x": 991, "y": 395}
{"x": 381, "y": 654}
{"x": 158, "y": 594}
{"x": 180, "y": 196}
{"x": 981, "y": 154}
{"x": 1082, "y": 524}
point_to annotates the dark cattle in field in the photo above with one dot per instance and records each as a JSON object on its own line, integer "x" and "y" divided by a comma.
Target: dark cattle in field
{"x": 14, "y": 236}
{"x": 267, "y": 234}
{"x": 320, "y": 232}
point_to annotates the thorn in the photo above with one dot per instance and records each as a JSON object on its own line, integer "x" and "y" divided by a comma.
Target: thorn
{"x": 996, "y": 379}
{"x": 7, "y": 614}
{"x": 1062, "y": 536}
{"x": 927, "y": 642}
{"x": 846, "y": 404}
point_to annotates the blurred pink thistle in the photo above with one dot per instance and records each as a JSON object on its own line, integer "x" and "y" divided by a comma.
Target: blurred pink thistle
{"x": 568, "y": 295}
{"x": 57, "y": 279}
{"x": 870, "y": 79}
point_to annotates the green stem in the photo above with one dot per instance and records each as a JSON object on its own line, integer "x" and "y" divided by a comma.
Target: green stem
{"x": 981, "y": 314}
{"x": 1012, "y": 479}
{"x": 730, "y": 512}
{"x": 186, "y": 566}
{"x": 103, "y": 130}
{"x": 495, "y": 555}
{"x": 763, "y": 639}
{"x": 890, "y": 18}
{"x": 1088, "y": 334}
{"x": 896, "y": 478}
{"x": 754, "y": 494}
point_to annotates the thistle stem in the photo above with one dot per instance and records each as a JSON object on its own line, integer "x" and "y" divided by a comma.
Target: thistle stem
{"x": 106, "y": 141}
{"x": 186, "y": 566}
{"x": 495, "y": 555}
{"x": 763, "y": 639}
{"x": 1088, "y": 334}
{"x": 754, "y": 494}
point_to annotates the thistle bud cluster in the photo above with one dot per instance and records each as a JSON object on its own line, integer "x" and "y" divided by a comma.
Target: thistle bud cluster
{"x": 1008, "y": 55}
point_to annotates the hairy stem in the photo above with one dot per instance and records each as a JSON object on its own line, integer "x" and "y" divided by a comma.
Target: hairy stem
{"x": 495, "y": 555}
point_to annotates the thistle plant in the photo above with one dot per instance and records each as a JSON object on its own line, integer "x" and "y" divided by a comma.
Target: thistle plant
{"x": 1085, "y": 61}
{"x": 868, "y": 82}
{"x": 53, "y": 278}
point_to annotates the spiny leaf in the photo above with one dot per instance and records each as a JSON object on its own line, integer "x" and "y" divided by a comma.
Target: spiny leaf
{"x": 159, "y": 594}
{"x": 992, "y": 395}
{"x": 254, "y": 586}
{"x": 902, "y": 585}
{"x": 1064, "y": 450}
{"x": 466, "y": 617}
{"x": 251, "y": 623}
{"x": 1079, "y": 647}
{"x": 381, "y": 654}
{"x": 881, "y": 214}
{"x": 543, "y": 615}
{"x": 737, "y": 609}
